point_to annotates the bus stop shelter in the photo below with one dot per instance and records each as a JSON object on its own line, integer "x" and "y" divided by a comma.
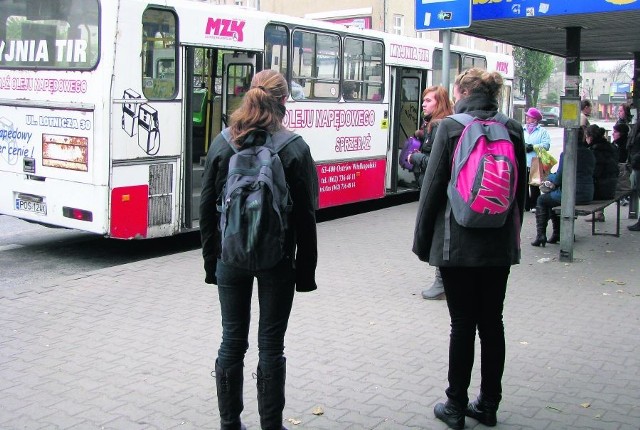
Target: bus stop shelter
{"x": 585, "y": 30}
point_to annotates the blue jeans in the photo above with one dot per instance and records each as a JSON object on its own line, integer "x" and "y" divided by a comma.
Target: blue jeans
{"x": 275, "y": 295}
{"x": 475, "y": 298}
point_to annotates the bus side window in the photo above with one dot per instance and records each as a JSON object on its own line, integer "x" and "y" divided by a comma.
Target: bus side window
{"x": 316, "y": 64}
{"x": 363, "y": 65}
{"x": 159, "y": 54}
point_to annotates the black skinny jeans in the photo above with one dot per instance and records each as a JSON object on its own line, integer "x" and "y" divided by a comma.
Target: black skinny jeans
{"x": 275, "y": 297}
{"x": 475, "y": 297}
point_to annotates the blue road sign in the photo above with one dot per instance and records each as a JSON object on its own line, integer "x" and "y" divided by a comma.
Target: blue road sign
{"x": 487, "y": 9}
{"x": 442, "y": 14}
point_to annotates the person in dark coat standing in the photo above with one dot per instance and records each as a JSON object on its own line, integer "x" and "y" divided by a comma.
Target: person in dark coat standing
{"x": 633, "y": 148}
{"x": 436, "y": 105}
{"x": 477, "y": 266}
{"x": 624, "y": 115}
{"x": 261, "y": 112}
{"x": 620, "y": 136}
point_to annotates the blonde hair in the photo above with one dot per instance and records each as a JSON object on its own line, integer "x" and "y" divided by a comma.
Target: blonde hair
{"x": 261, "y": 107}
{"x": 444, "y": 106}
{"x": 479, "y": 81}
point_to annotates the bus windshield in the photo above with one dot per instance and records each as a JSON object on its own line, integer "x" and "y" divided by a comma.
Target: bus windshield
{"x": 49, "y": 34}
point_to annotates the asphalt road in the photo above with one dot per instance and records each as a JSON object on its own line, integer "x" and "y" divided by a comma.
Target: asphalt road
{"x": 30, "y": 252}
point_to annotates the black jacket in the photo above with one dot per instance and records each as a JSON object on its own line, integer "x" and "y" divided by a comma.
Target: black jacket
{"x": 605, "y": 173}
{"x": 621, "y": 146}
{"x": 633, "y": 147}
{"x": 302, "y": 178}
{"x": 420, "y": 159}
{"x": 469, "y": 247}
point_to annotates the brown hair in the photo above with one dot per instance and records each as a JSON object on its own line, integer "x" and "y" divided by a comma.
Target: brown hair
{"x": 479, "y": 81}
{"x": 261, "y": 107}
{"x": 627, "y": 111}
{"x": 444, "y": 106}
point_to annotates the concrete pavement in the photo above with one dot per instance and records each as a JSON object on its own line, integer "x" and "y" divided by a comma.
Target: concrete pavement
{"x": 132, "y": 346}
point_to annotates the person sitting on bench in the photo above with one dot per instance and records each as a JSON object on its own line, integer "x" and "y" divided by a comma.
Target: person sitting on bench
{"x": 605, "y": 173}
{"x": 552, "y": 192}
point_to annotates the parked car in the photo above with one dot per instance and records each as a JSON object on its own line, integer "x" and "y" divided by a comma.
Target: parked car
{"x": 550, "y": 115}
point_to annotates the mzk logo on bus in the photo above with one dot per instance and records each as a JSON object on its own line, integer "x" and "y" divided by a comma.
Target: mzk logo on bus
{"x": 502, "y": 66}
{"x": 225, "y": 29}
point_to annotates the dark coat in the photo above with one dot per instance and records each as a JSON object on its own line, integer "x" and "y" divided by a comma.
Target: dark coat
{"x": 469, "y": 247}
{"x": 633, "y": 147}
{"x": 302, "y": 178}
{"x": 621, "y": 146}
{"x": 420, "y": 159}
{"x": 605, "y": 172}
{"x": 585, "y": 165}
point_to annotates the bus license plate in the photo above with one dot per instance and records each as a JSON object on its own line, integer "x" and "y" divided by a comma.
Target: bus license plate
{"x": 27, "y": 206}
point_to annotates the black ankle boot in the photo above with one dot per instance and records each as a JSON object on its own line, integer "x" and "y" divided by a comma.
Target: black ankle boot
{"x": 230, "y": 404}
{"x": 555, "y": 235}
{"x": 540, "y": 241}
{"x": 451, "y": 413}
{"x": 483, "y": 410}
{"x": 271, "y": 396}
{"x": 634, "y": 227}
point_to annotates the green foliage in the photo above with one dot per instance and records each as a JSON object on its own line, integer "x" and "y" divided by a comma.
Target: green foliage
{"x": 533, "y": 68}
{"x": 552, "y": 98}
{"x": 589, "y": 66}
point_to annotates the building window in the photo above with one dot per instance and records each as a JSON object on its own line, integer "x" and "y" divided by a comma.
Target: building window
{"x": 398, "y": 24}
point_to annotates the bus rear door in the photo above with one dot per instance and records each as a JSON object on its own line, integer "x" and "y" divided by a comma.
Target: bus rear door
{"x": 406, "y": 108}
{"x": 216, "y": 92}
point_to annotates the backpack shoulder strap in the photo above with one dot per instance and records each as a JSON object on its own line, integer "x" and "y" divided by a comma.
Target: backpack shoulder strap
{"x": 280, "y": 139}
{"x": 227, "y": 136}
{"x": 499, "y": 116}
{"x": 463, "y": 118}
{"x": 275, "y": 141}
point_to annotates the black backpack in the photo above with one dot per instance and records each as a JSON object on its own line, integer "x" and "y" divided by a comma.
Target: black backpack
{"x": 255, "y": 204}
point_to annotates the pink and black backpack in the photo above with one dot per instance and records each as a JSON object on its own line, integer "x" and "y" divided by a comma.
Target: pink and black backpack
{"x": 484, "y": 173}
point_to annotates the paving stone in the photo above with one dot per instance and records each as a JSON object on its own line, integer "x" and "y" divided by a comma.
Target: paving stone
{"x": 133, "y": 346}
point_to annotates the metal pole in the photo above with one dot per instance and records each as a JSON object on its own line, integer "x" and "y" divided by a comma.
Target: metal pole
{"x": 633, "y": 200}
{"x": 384, "y": 15}
{"x": 570, "y": 149}
{"x": 446, "y": 60}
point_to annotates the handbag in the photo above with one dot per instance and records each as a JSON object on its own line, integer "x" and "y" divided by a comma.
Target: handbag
{"x": 411, "y": 145}
{"x": 538, "y": 172}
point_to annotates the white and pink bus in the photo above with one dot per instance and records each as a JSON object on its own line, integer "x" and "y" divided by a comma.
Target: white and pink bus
{"x": 107, "y": 107}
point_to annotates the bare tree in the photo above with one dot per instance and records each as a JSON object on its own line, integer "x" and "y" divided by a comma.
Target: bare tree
{"x": 621, "y": 71}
